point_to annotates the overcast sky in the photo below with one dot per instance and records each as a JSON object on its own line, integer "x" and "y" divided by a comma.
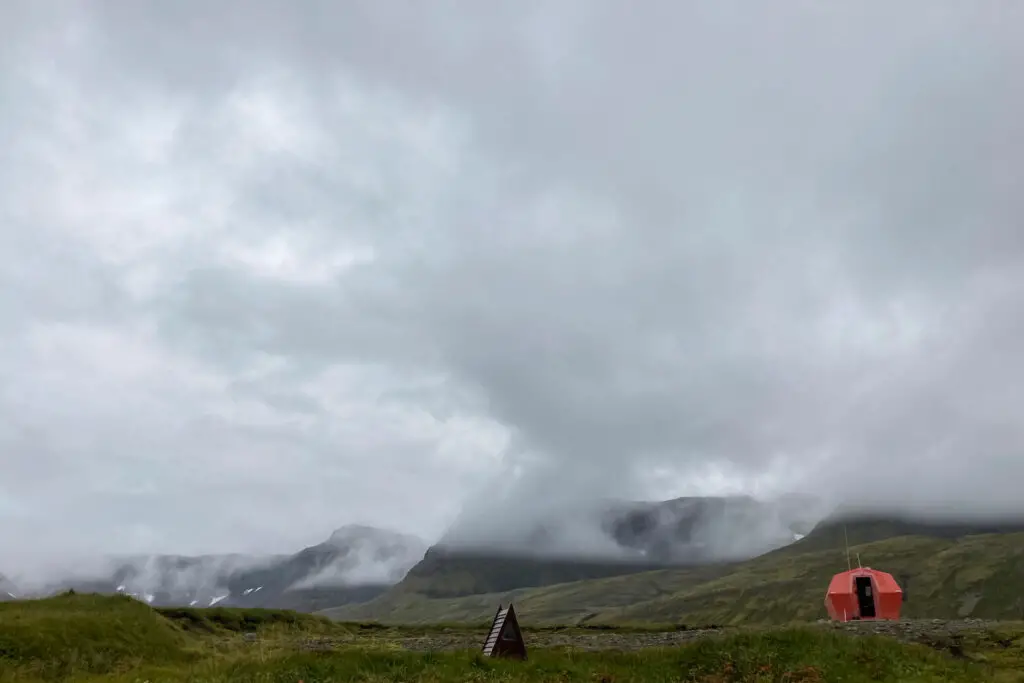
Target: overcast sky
{"x": 267, "y": 268}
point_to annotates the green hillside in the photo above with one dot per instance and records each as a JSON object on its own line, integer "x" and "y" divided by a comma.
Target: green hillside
{"x": 88, "y": 638}
{"x": 970, "y": 576}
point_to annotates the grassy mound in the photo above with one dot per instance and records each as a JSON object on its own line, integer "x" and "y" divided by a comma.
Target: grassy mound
{"x": 236, "y": 620}
{"x": 93, "y": 634}
{"x": 85, "y": 633}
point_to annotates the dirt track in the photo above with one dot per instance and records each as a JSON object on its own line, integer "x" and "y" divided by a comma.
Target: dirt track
{"x": 935, "y": 633}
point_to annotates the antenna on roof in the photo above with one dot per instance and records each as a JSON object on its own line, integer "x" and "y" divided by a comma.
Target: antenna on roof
{"x": 846, "y": 540}
{"x": 859, "y": 565}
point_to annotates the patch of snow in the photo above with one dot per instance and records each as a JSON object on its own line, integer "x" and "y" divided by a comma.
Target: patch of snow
{"x": 149, "y": 598}
{"x": 797, "y": 537}
{"x": 214, "y": 601}
{"x": 259, "y": 588}
{"x": 12, "y": 595}
{"x": 193, "y": 603}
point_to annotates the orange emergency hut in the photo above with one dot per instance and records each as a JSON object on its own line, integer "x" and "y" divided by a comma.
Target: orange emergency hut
{"x": 863, "y": 593}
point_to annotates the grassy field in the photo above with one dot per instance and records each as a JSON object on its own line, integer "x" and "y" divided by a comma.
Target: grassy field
{"x": 972, "y": 576}
{"x": 91, "y": 638}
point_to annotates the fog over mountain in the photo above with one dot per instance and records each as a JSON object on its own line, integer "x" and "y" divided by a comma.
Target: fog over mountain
{"x": 270, "y": 267}
{"x": 356, "y": 562}
{"x": 684, "y": 530}
{"x": 8, "y": 591}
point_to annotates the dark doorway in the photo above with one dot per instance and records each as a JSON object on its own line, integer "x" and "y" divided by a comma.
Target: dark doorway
{"x": 865, "y": 597}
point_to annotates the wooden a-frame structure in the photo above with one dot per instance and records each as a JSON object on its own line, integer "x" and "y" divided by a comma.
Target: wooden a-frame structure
{"x": 505, "y": 638}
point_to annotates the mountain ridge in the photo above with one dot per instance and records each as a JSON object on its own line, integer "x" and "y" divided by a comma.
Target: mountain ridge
{"x": 358, "y": 563}
{"x": 952, "y": 570}
{"x": 632, "y": 537}
{"x": 355, "y": 563}
{"x": 371, "y": 573}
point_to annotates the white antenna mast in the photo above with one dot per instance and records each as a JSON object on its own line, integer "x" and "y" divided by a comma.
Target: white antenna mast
{"x": 846, "y": 540}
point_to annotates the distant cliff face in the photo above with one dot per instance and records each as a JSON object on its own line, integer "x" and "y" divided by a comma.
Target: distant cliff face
{"x": 619, "y": 538}
{"x": 709, "y": 529}
{"x": 682, "y": 530}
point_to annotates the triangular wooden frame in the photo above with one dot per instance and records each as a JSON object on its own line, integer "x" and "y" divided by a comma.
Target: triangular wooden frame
{"x": 505, "y": 639}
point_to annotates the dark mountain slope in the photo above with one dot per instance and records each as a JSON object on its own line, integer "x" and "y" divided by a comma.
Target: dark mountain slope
{"x": 632, "y": 537}
{"x": 969, "y": 576}
{"x": 445, "y": 572}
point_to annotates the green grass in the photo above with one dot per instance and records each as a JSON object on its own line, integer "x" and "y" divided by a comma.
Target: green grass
{"x": 787, "y": 656}
{"x": 56, "y": 637}
{"x": 116, "y": 639}
{"x": 50, "y": 639}
{"x": 215, "y": 619}
{"x": 973, "y": 576}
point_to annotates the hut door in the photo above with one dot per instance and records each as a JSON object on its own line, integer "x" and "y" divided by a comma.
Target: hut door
{"x": 865, "y": 597}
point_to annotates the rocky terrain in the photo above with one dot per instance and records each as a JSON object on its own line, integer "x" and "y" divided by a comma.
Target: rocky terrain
{"x": 947, "y": 635}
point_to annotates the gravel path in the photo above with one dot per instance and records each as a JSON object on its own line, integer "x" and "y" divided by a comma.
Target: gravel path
{"x": 936, "y": 633}
{"x": 588, "y": 641}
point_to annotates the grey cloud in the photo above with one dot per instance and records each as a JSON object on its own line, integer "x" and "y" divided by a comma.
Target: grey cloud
{"x": 776, "y": 240}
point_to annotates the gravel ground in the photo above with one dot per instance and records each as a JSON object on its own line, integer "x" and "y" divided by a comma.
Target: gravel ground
{"x": 936, "y": 633}
{"x": 588, "y": 641}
